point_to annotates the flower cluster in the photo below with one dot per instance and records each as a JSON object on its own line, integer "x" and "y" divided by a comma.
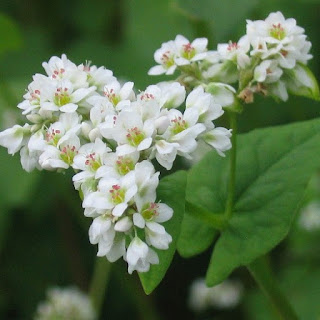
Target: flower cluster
{"x": 269, "y": 59}
{"x": 222, "y": 296}
{"x": 82, "y": 117}
{"x": 67, "y": 303}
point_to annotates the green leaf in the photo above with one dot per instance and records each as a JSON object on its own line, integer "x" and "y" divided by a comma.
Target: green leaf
{"x": 171, "y": 191}
{"x": 274, "y": 166}
{"x": 9, "y": 34}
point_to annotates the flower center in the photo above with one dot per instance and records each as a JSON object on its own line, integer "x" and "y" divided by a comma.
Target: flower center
{"x": 277, "y": 32}
{"x": 117, "y": 194}
{"x": 35, "y": 97}
{"x": 232, "y": 46}
{"x": 53, "y": 136}
{"x": 68, "y": 153}
{"x": 58, "y": 73}
{"x": 150, "y": 211}
{"x": 178, "y": 125}
{"x": 124, "y": 165}
{"x": 61, "y": 97}
{"x": 135, "y": 136}
{"x": 112, "y": 96}
{"x": 188, "y": 51}
{"x": 92, "y": 161}
{"x": 167, "y": 59}
{"x": 147, "y": 96}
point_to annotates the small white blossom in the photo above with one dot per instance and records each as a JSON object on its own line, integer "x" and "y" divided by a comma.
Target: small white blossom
{"x": 139, "y": 256}
{"x": 310, "y": 217}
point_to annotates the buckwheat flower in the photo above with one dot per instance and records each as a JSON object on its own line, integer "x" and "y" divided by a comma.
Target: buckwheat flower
{"x": 29, "y": 159}
{"x": 189, "y": 52}
{"x": 113, "y": 194}
{"x": 184, "y": 129}
{"x": 102, "y": 232}
{"x": 65, "y": 98}
{"x": 89, "y": 159}
{"x": 166, "y": 153}
{"x": 101, "y": 107}
{"x": 131, "y": 133}
{"x": 119, "y": 96}
{"x": 309, "y": 219}
{"x": 97, "y": 77}
{"x": 61, "y": 156}
{"x": 279, "y": 38}
{"x": 149, "y": 217}
{"x": 165, "y": 57}
{"x": 236, "y": 52}
{"x": 147, "y": 180}
{"x": 15, "y": 138}
{"x": 219, "y": 139}
{"x": 139, "y": 256}
{"x": 116, "y": 166}
{"x": 268, "y": 71}
{"x": 65, "y": 303}
{"x": 225, "y": 295}
{"x": 63, "y": 69}
{"x": 204, "y": 104}
{"x": 223, "y": 94}
{"x": 172, "y": 94}
{"x": 39, "y": 91}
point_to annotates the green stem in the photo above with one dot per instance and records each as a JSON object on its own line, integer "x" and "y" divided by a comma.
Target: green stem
{"x": 232, "y": 172}
{"x": 261, "y": 272}
{"x": 99, "y": 283}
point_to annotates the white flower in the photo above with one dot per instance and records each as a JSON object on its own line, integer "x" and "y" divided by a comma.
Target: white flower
{"x": 190, "y": 52}
{"x": 131, "y": 133}
{"x": 39, "y": 91}
{"x": 29, "y": 159}
{"x": 139, "y": 256}
{"x": 204, "y": 104}
{"x": 89, "y": 159}
{"x": 236, "y": 52}
{"x": 113, "y": 194}
{"x": 222, "y": 296}
{"x": 172, "y": 94}
{"x": 102, "y": 232}
{"x": 267, "y": 71}
{"x": 67, "y": 303}
{"x": 15, "y": 138}
{"x": 61, "y": 156}
{"x": 219, "y": 139}
{"x": 184, "y": 129}
{"x": 166, "y": 152}
{"x": 63, "y": 69}
{"x": 149, "y": 216}
{"x": 119, "y": 96}
{"x": 165, "y": 57}
{"x": 222, "y": 93}
{"x": 65, "y": 98}
{"x": 116, "y": 166}
{"x": 98, "y": 77}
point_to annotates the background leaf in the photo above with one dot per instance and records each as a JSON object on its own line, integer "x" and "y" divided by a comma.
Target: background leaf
{"x": 274, "y": 166}
{"x": 171, "y": 191}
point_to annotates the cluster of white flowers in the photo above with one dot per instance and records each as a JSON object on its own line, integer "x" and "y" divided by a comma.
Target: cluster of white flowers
{"x": 222, "y": 296}
{"x": 269, "y": 59}
{"x": 65, "y": 304}
{"x": 82, "y": 117}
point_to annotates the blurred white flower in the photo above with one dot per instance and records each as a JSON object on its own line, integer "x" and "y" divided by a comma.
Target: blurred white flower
{"x": 310, "y": 217}
{"x": 222, "y": 296}
{"x": 65, "y": 304}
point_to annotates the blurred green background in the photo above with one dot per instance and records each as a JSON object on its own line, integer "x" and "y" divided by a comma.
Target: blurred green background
{"x": 43, "y": 234}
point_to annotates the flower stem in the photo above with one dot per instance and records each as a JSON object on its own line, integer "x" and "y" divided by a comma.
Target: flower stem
{"x": 99, "y": 283}
{"x": 261, "y": 272}
{"x": 232, "y": 172}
